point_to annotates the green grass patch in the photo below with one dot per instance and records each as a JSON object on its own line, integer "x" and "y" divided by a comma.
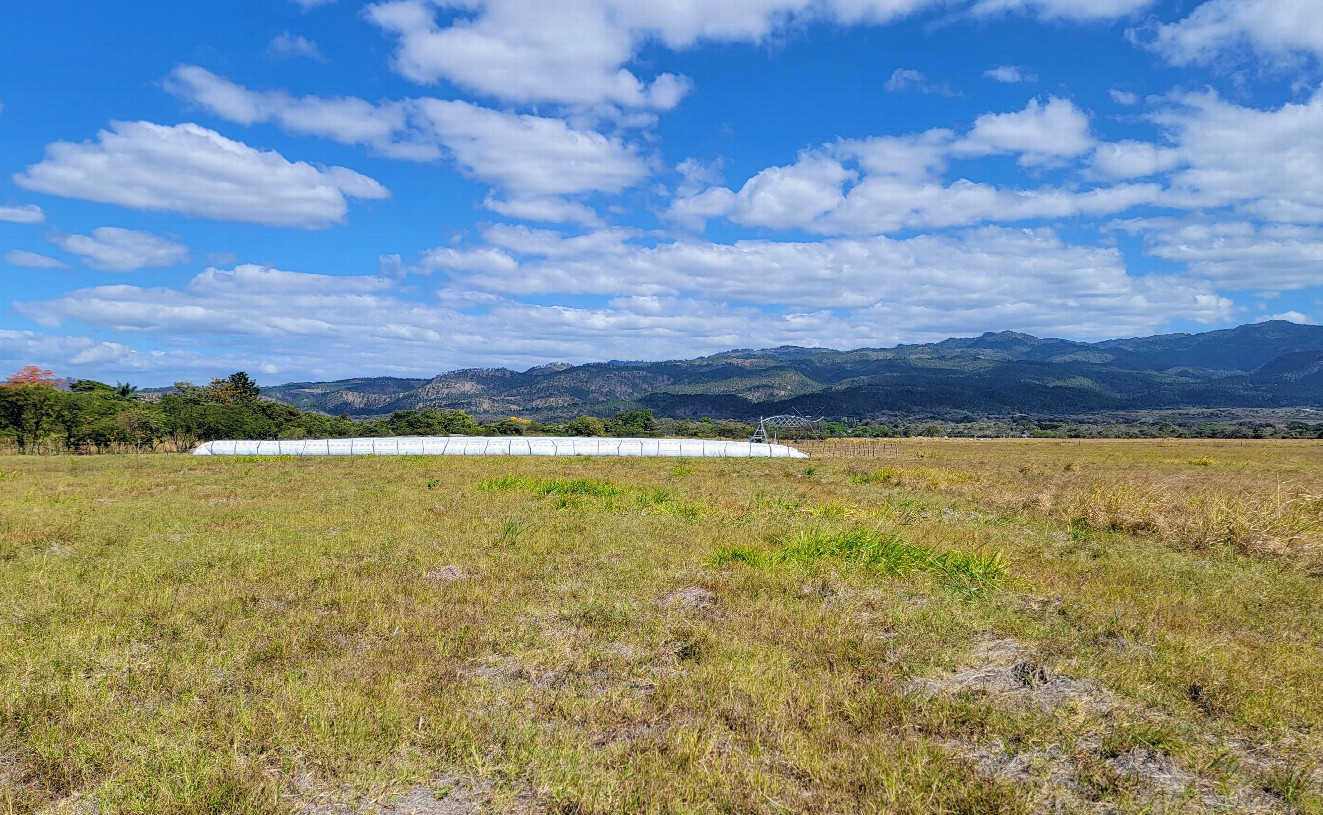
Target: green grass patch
{"x": 574, "y": 493}
{"x": 886, "y": 475}
{"x": 965, "y": 573}
{"x": 542, "y": 487}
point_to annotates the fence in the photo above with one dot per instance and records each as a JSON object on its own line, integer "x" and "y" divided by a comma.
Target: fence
{"x": 845, "y": 448}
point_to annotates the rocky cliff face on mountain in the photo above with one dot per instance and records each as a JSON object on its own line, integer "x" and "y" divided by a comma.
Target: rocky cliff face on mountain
{"x": 1272, "y": 364}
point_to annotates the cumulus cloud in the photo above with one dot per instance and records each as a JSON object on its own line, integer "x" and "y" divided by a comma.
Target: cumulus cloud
{"x": 570, "y": 51}
{"x": 550, "y": 209}
{"x": 195, "y": 171}
{"x": 1236, "y": 255}
{"x": 533, "y": 154}
{"x": 1064, "y": 9}
{"x": 18, "y": 348}
{"x": 23, "y": 214}
{"x": 904, "y": 79}
{"x": 1274, "y": 29}
{"x": 1010, "y": 74}
{"x": 535, "y": 158}
{"x": 286, "y": 46}
{"x": 1041, "y": 134}
{"x": 386, "y": 127}
{"x": 32, "y": 260}
{"x": 1268, "y": 163}
{"x": 1124, "y": 97}
{"x": 883, "y": 205}
{"x": 898, "y": 183}
{"x": 976, "y": 272}
{"x": 777, "y": 198}
{"x": 1289, "y": 316}
{"x": 669, "y": 300}
{"x": 112, "y": 249}
{"x": 576, "y": 52}
{"x": 1133, "y": 159}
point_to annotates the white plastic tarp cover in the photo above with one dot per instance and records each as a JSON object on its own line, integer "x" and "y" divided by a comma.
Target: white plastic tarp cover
{"x": 498, "y": 446}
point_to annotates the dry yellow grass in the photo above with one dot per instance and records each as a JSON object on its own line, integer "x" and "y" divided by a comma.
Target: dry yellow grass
{"x": 559, "y": 635}
{"x": 1250, "y": 496}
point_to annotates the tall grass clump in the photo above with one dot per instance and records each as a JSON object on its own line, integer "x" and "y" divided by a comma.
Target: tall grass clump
{"x": 964, "y": 573}
{"x": 542, "y": 487}
{"x": 887, "y": 554}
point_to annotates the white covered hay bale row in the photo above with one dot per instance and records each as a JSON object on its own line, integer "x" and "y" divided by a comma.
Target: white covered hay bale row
{"x": 498, "y": 446}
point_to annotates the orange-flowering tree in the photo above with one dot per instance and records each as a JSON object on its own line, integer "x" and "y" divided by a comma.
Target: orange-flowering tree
{"x": 33, "y": 375}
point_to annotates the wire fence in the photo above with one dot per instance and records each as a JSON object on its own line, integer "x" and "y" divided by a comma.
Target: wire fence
{"x": 845, "y": 448}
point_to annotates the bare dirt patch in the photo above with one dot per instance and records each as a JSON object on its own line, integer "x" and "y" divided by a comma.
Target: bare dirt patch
{"x": 1005, "y": 669}
{"x": 689, "y": 598}
{"x": 447, "y": 574}
{"x": 1082, "y": 779}
{"x": 449, "y": 795}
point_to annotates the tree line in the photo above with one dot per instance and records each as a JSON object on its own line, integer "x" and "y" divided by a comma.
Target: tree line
{"x": 42, "y": 413}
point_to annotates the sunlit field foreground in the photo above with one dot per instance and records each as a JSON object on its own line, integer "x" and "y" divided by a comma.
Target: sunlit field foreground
{"x": 950, "y": 626}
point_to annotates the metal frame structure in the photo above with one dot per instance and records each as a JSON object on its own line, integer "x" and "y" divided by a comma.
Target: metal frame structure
{"x": 783, "y": 421}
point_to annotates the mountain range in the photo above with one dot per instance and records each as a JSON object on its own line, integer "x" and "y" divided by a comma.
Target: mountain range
{"x": 1262, "y": 365}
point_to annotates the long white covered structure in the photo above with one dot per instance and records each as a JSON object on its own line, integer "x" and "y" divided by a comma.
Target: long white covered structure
{"x": 499, "y": 446}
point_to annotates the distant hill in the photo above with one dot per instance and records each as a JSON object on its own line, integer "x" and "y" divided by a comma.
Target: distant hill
{"x": 1264, "y": 365}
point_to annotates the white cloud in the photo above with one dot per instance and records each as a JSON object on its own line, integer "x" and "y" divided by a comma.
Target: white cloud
{"x": 1064, "y": 9}
{"x": 24, "y": 214}
{"x": 916, "y": 157}
{"x": 1010, "y": 74}
{"x": 901, "y": 188}
{"x": 570, "y": 51}
{"x": 387, "y": 128}
{"x": 105, "y": 353}
{"x": 665, "y": 301}
{"x": 286, "y": 46}
{"x": 1236, "y": 255}
{"x": 533, "y": 155}
{"x": 535, "y": 158}
{"x": 112, "y": 249}
{"x": 1267, "y": 163}
{"x": 522, "y": 240}
{"x": 882, "y": 205}
{"x": 19, "y": 348}
{"x": 195, "y": 171}
{"x": 546, "y": 208}
{"x": 1289, "y": 316}
{"x": 487, "y": 260}
{"x": 904, "y": 79}
{"x": 1041, "y": 134}
{"x": 778, "y": 197}
{"x": 976, "y": 272}
{"x": 1275, "y": 29}
{"x": 1133, "y": 159}
{"x": 576, "y": 52}
{"x": 1123, "y": 97}
{"x": 32, "y": 260}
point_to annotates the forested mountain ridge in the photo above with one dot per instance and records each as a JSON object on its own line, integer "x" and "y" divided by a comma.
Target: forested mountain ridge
{"x": 1262, "y": 365}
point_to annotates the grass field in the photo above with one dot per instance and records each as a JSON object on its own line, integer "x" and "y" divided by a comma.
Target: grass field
{"x": 951, "y": 626}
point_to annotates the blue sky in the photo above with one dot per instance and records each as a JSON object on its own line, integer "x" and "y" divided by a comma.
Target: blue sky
{"x": 315, "y": 189}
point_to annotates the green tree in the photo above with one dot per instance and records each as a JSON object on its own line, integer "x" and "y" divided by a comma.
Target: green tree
{"x": 139, "y": 426}
{"x": 33, "y": 413}
{"x": 631, "y": 423}
{"x": 586, "y": 426}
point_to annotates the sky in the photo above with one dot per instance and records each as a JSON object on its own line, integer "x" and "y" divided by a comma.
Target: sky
{"x": 321, "y": 189}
